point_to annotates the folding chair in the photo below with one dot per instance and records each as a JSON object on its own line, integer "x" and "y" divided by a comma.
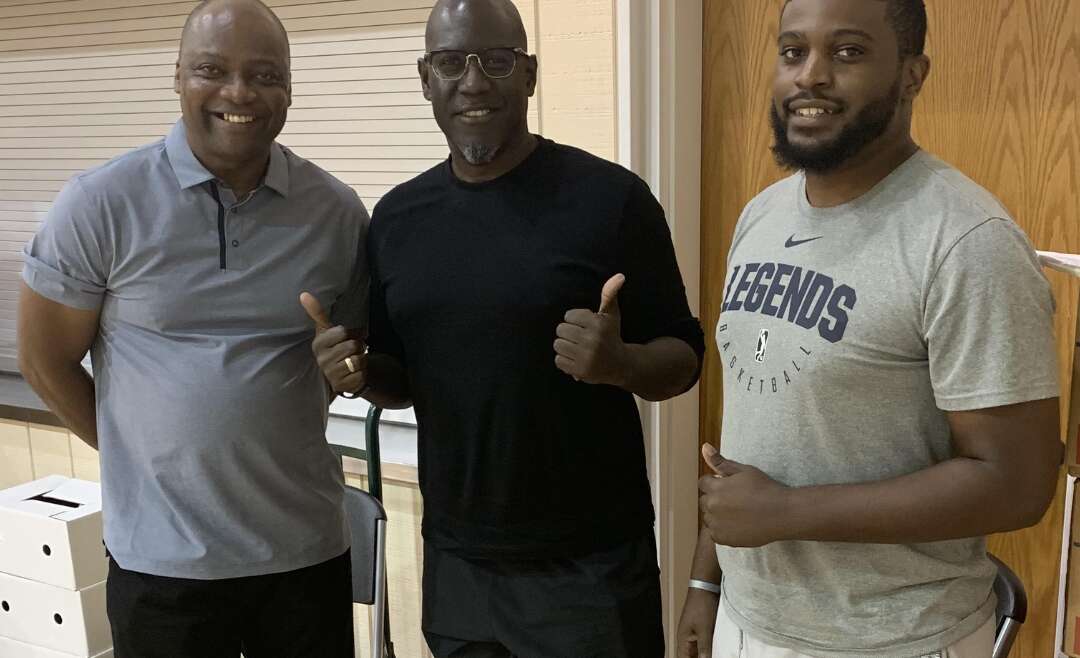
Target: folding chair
{"x": 1011, "y": 608}
{"x": 369, "y": 453}
{"x": 367, "y": 524}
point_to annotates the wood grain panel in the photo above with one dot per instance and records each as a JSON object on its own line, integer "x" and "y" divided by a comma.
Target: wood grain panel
{"x": 1001, "y": 104}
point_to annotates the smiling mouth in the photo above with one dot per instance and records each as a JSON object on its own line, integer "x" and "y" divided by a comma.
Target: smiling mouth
{"x": 478, "y": 113}
{"x": 813, "y": 112}
{"x": 229, "y": 117}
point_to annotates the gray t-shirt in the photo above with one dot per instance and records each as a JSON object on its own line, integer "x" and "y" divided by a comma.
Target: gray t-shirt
{"x": 846, "y": 335}
{"x": 211, "y": 409}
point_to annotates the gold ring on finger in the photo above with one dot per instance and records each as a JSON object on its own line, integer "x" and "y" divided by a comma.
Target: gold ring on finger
{"x": 349, "y": 364}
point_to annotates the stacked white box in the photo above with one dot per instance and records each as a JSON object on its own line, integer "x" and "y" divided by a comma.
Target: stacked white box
{"x": 15, "y": 649}
{"x": 52, "y": 571}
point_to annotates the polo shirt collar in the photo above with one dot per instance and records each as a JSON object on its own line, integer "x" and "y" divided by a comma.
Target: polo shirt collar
{"x": 190, "y": 172}
{"x": 277, "y": 173}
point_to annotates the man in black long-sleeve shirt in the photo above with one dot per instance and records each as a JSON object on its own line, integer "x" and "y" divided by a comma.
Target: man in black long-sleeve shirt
{"x": 522, "y": 292}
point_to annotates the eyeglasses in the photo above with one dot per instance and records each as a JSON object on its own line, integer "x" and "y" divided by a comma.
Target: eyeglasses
{"x": 495, "y": 63}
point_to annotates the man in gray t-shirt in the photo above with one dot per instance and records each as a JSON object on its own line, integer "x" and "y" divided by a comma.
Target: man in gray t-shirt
{"x": 180, "y": 266}
{"x": 890, "y": 389}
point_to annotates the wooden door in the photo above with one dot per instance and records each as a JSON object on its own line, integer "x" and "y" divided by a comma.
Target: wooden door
{"x": 1002, "y": 104}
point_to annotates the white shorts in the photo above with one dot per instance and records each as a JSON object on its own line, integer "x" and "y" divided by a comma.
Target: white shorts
{"x": 729, "y": 641}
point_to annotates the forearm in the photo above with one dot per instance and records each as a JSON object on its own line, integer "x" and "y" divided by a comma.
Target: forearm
{"x": 68, "y": 391}
{"x": 705, "y": 566}
{"x": 957, "y": 498}
{"x": 388, "y": 383}
{"x": 660, "y": 369}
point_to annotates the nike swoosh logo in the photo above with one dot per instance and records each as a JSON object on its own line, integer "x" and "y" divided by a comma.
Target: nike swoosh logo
{"x": 792, "y": 242}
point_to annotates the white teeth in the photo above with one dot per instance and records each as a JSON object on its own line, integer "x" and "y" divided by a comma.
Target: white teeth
{"x": 811, "y": 112}
{"x": 477, "y": 113}
{"x": 238, "y": 118}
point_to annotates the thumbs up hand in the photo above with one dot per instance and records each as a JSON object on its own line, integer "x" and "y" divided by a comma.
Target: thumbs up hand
{"x": 341, "y": 355}
{"x": 740, "y": 505}
{"x": 589, "y": 346}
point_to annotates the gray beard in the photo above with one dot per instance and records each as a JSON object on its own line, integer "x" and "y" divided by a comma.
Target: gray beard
{"x": 479, "y": 154}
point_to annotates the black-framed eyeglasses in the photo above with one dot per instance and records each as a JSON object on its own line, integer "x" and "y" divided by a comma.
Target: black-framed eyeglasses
{"x": 495, "y": 63}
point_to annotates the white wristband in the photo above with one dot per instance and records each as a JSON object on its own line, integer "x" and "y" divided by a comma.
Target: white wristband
{"x": 705, "y": 585}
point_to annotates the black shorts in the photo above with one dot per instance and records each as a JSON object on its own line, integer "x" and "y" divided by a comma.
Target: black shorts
{"x": 606, "y": 604}
{"x": 306, "y": 613}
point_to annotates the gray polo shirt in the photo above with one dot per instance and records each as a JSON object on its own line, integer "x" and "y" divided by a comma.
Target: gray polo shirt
{"x": 211, "y": 409}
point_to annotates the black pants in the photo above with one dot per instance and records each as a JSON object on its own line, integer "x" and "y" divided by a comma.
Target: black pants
{"x": 602, "y": 605}
{"x": 305, "y": 613}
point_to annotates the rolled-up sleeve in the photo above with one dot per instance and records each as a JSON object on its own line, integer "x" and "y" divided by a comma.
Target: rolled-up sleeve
{"x": 653, "y": 299}
{"x": 66, "y": 260}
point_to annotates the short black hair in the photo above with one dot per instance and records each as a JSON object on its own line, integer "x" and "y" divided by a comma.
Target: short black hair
{"x": 908, "y": 19}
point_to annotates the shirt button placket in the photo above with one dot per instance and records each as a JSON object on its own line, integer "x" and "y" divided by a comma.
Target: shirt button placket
{"x": 236, "y": 233}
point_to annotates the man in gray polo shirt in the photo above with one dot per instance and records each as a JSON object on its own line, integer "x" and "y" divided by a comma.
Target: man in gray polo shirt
{"x": 178, "y": 265}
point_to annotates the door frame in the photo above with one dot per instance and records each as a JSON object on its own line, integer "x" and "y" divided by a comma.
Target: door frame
{"x": 658, "y": 59}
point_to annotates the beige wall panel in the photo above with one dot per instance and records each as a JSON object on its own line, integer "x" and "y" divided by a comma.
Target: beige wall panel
{"x": 25, "y": 62}
{"x": 89, "y": 26}
{"x": 36, "y": 174}
{"x": 89, "y": 123}
{"x": 291, "y": 9}
{"x": 333, "y": 102}
{"x": 27, "y": 185}
{"x": 49, "y": 77}
{"x": 69, "y": 144}
{"x": 16, "y": 464}
{"x": 60, "y": 164}
{"x": 85, "y": 461}
{"x": 35, "y": 8}
{"x": 113, "y": 12}
{"x": 145, "y": 10}
{"x": 371, "y": 191}
{"x": 71, "y": 44}
{"x": 116, "y": 111}
{"x": 146, "y": 131}
{"x": 407, "y": 84}
{"x": 166, "y": 41}
{"x": 29, "y": 196}
{"x": 577, "y": 96}
{"x": 387, "y": 178}
{"x": 380, "y": 152}
{"x": 68, "y": 99}
{"x": 172, "y": 22}
{"x": 51, "y": 450}
{"x": 331, "y": 126}
{"x": 412, "y": 41}
{"x": 35, "y": 206}
{"x": 324, "y": 64}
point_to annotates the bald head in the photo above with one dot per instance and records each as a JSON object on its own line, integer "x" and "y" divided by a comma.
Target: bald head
{"x": 496, "y": 21}
{"x": 253, "y": 14}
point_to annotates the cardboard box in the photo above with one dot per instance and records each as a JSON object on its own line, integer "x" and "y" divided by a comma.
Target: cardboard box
{"x": 50, "y": 532}
{"x": 1070, "y": 264}
{"x": 14, "y": 649}
{"x": 73, "y": 622}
